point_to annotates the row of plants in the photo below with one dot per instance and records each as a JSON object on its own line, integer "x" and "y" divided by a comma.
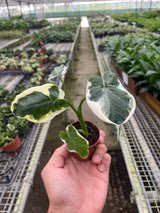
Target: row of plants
{"x": 148, "y": 20}
{"x": 124, "y": 17}
{"x": 22, "y": 24}
{"x": 29, "y": 60}
{"x": 106, "y": 28}
{"x": 64, "y": 31}
{"x": 12, "y": 34}
{"x": 139, "y": 56}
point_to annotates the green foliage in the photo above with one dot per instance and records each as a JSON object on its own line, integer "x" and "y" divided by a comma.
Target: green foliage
{"x": 138, "y": 55}
{"x": 16, "y": 24}
{"x": 150, "y": 14}
{"x": 62, "y": 32}
{"x": 9, "y": 125}
{"x": 124, "y": 17}
{"x": 11, "y": 34}
{"x": 37, "y": 104}
{"x": 106, "y": 28}
{"x": 3, "y": 93}
{"x": 149, "y": 20}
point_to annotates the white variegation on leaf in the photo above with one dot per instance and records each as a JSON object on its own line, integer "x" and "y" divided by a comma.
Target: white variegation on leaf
{"x": 109, "y": 100}
{"x": 39, "y": 104}
{"x": 58, "y": 71}
{"x": 75, "y": 141}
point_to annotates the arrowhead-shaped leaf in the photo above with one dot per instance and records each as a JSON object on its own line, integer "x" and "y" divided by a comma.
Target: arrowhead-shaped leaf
{"x": 58, "y": 71}
{"x": 39, "y": 104}
{"x": 75, "y": 142}
{"x": 109, "y": 100}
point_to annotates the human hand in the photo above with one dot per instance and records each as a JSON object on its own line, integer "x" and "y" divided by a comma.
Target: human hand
{"x": 75, "y": 186}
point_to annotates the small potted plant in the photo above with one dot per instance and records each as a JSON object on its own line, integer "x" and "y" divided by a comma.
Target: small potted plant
{"x": 27, "y": 68}
{"x": 61, "y": 59}
{"x": 19, "y": 124}
{"x": 12, "y": 63}
{"x": 44, "y": 58}
{"x": 9, "y": 139}
{"x": 106, "y": 97}
{"x": 53, "y": 57}
{"x": 43, "y": 49}
{"x": 42, "y": 70}
{"x": 2, "y": 67}
{"x": 18, "y": 53}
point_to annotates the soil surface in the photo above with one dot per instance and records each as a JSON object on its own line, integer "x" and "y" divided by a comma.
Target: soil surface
{"x": 119, "y": 189}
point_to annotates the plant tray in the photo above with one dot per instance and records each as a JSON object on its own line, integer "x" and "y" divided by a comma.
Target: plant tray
{"x": 153, "y": 103}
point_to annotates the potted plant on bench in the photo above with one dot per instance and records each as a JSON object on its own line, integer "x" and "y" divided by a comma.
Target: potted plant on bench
{"x": 105, "y": 96}
{"x": 9, "y": 139}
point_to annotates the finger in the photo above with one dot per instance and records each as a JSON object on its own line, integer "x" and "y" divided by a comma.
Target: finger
{"x": 105, "y": 163}
{"x": 99, "y": 153}
{"x": 59, "y": 156}
{"x": 102, "y": 136}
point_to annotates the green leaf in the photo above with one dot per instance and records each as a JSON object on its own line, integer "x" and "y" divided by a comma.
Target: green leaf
{"x": 35, "y": 103}
{"x": 141, "y": 82}
{"x": 145, "y": 65}
{"x": 151, "y": 72}
{"x": 144, "y": 89}
{"x": 75, "y": 142}
{"x": 58, "y": 71}
{"x": 39, "y": 104}
{"x": 110, "y": 101}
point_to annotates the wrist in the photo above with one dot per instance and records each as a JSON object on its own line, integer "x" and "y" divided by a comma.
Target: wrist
{"x": 53, "y": 209}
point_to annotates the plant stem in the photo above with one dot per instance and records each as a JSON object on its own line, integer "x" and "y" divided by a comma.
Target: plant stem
{"x": 66, "y": 90}
{"x": 78, "y": 112}
{"x": 80, "y": 116}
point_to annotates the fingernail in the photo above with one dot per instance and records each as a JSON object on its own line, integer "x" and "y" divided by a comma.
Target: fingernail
{"x": 102, "y": 167}
{"x": 101, "y": 139}
{"x": 96, "y": 158}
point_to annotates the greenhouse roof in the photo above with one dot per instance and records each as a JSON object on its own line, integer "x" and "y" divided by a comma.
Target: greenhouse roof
{"x": 54, "y": 1}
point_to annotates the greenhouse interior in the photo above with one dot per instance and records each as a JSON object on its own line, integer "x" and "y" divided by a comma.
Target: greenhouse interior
{"x": 56, "y": 55}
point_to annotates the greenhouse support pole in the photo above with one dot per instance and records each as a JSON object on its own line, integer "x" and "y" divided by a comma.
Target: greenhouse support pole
{"x": 30, "y": 13}
{"x": 136, "y": 6}
{"x": 8, "y": 9}
{"x": 20, "y": 6}
{"x": 141, "y": 7}
{"x": 150, "y": 8}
